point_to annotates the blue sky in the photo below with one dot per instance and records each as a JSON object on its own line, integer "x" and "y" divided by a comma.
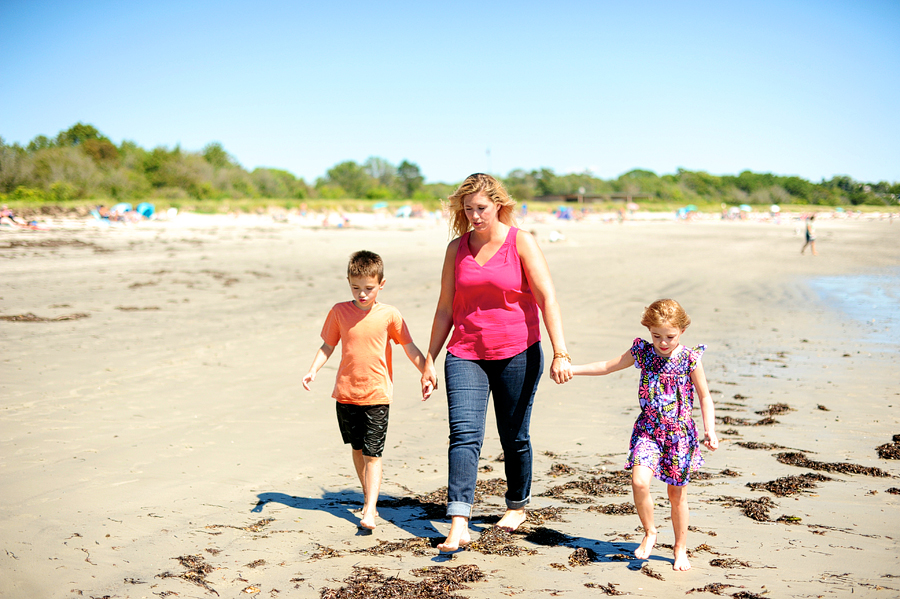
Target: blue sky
{"x": 788, "y": 87}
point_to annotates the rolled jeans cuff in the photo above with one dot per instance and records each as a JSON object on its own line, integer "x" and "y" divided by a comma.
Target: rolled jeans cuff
{"x": 459, "y": 508}
{"x": 518, "y": 505}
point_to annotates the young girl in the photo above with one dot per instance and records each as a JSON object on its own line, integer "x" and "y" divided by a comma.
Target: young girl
{"x": 664, "y": 441}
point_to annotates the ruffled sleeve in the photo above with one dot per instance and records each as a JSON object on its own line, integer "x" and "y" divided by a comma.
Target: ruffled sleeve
{"x": 638, "y": 352}
{"x": 695, "y": 354}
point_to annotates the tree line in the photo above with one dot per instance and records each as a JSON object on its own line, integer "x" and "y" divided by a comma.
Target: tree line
{"x": 81, "y": 163}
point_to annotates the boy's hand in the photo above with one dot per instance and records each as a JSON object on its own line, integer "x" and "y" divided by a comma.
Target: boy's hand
{"x": 429, "y": 383}
{"x": 310, "y": 377}
{"x": 711, "y": 441}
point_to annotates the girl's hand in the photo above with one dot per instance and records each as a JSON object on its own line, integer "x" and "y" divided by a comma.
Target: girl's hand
{"x": 561, "y": 370}
{"x": 711, "y": 441}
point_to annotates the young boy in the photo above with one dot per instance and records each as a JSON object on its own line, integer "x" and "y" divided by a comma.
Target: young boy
{"x": 363, "y": 387}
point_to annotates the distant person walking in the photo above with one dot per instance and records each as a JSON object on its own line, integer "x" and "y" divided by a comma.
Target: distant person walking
{"x": 810, "y": 234}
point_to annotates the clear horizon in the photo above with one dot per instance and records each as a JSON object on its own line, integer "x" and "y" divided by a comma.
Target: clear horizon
{"x": 792, "y": 88}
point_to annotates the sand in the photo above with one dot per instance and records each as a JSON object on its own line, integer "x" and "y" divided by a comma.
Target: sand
{"x": 155, "y": 412}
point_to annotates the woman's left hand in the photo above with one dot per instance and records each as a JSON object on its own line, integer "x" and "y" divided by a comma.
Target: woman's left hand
{"x": 560, "y": 370}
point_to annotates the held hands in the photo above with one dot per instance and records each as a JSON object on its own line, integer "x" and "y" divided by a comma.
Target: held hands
{"x": 561, "y": 368}
{"x": 711, "y": 441}
{"x": 429, "y": 382}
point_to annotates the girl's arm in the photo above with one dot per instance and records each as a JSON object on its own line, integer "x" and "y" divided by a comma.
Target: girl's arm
{"x": 600, "y": 368}
{"x": 707, "y": 410}
{"x": 538, "y": 274}
{"x": 443, "y": 320}
{"x": 321, "y": 357}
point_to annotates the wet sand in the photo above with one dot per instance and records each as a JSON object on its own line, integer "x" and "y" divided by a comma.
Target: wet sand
{"x": 155, "y": 439}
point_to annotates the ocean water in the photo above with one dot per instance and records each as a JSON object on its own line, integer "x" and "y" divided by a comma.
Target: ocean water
{"x": 872, "y": 300}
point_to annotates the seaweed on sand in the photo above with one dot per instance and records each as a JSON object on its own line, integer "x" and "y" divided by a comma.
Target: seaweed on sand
{"x": 790, "y": 485}
{"x": 496, "y": 541}
{"x": 196, "y": 571}
{"x": 617, "y": 509}
{"x": 609, "y": 588}
{"x": 799, "y": 459}
{"x": 416, "y": 546}
{"x": 890, "y": 451}
{"x": 439, "y": 583}
{"x": 715, "y": 588}
{"x": 776, "y": 409}
{"x": 729, "y": 562}
{"x": 756, "y": 509}
{"x": 582, "y": 557}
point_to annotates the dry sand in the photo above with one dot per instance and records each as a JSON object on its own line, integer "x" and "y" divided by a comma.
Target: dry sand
{"x": 170, "y": 421}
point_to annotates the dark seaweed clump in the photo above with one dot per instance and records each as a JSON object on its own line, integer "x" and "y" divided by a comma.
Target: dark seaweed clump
{"x": 894, "y": 491}
{"x": 617, "y": 482}
{"x": 196, "y": 571}
{"x": 647, "y": 571}
{"x": 416, "y": 546}
{"x": 755, "y": 445}
{"x": 790, "y": 485}
{"x": 609, "y": 588}
{"x": 728, "y": 562}
{"x": 582, "y": 557}
{"x": 561, "y": 470}
{"x": 715, "y": 588}
{"x": 29, "y": 317}
{"x": 890, "y": 451}
{"x": 439, "y": 583}
{"x": 617, "y": 509}
{"x": 496, "y": 541}
{"x": 756, "y": 509}
{"x": 776, "y": 409}
{"x": 799, "y": 459}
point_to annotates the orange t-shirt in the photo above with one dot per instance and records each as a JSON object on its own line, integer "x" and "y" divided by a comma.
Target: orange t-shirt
{"x": 364, "y": 376}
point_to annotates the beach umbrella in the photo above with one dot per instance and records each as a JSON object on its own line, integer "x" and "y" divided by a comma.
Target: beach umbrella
{"x": 122, "y": 207}
{"x": 690, "y": 208}
{"x": 775, "y": 208}
{"x": 146, "y": 209}
{"x": 746, "y": 208}
{"x": 379, "y": 205}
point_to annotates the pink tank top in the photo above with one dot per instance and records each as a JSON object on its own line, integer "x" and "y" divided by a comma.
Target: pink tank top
{"x": 495, "y": 315}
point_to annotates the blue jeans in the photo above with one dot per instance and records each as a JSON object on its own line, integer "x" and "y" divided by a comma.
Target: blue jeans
{"x": 512, "y": 382}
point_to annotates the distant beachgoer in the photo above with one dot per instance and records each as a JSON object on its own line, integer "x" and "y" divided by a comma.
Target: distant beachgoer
{"x": 495, "y": 285}
{"x": 363, "y": 387}
{"x": 810, "y": 235}
{"x": 664, "y": 440}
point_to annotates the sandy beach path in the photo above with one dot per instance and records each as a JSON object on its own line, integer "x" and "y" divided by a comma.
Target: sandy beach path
{"x": 155, "y": 439}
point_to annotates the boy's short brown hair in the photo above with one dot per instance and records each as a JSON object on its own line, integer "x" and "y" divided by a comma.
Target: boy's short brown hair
{"x": 665, "y": 312}
{"x": 365, "y": 264}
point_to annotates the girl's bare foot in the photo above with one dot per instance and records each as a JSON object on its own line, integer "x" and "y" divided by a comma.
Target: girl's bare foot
{"x": 646, "y": 546}
{"x": 512, "y": 520}
{"x": 681, "y": 560}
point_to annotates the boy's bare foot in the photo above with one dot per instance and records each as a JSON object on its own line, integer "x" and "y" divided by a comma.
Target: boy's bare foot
{"x": 646, "y": 546}
{"x": 367, "y": 521}
{"x": 681, "y": 560}
{"x": 512, "y": 520}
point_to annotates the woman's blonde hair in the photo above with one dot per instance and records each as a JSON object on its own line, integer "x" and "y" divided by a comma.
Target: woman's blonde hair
{"x": 489, "y": 186}
{"x": 665, "y": 312}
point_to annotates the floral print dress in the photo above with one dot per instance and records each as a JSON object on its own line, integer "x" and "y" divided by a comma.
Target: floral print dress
{"x": 665, "y": 437}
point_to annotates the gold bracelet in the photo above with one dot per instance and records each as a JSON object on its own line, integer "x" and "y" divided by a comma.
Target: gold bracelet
{"x": 562, "y": 355}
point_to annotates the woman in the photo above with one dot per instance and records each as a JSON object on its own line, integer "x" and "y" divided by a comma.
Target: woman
{"x": 494, "y": 281}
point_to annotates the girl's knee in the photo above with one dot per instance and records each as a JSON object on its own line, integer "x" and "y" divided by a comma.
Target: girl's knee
{"x": 677, "y": 494}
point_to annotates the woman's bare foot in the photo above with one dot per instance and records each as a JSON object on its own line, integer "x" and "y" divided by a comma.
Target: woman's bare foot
{"x": 512, "y": 520}
{"x": 457, "y": 537}
{"x": 646, "y": 546}
{"x": 681, "y": 560}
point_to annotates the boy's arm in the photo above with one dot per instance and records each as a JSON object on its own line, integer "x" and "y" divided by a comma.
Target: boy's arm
{"x": 321, "y": 357}
{"x": 707, "y": 410}
{"x": 600, "y": 368}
